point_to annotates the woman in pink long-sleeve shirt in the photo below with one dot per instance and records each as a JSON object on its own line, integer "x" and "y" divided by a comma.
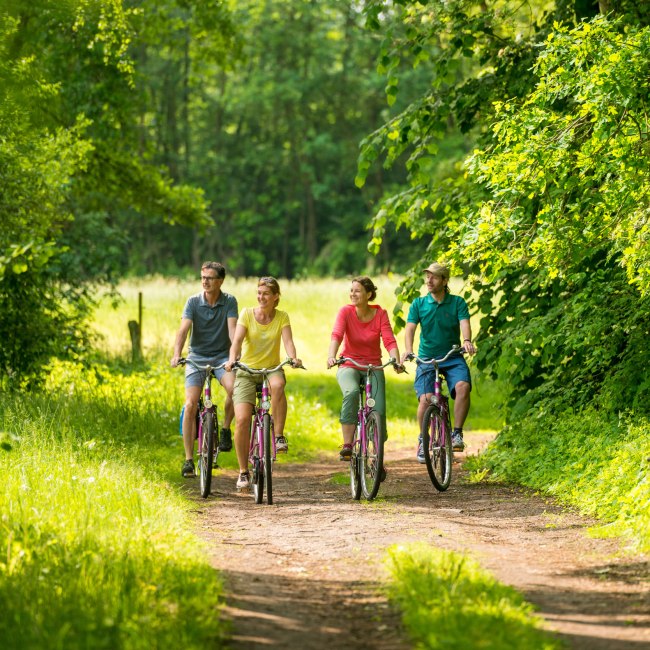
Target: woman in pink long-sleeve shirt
{"x": 360, "y": 327}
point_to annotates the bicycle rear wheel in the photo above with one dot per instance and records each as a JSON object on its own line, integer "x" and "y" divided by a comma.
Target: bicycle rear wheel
{"x": 436, "y": 442}
{"x": 206, "y": 452}
{"x": 355, "y": 471}
{"x": 372, "y": 461}
{"x": 268, "y": 457}
{"x": 258, "y": 465}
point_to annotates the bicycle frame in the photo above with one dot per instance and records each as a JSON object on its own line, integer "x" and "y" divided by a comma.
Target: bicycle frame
{"x": 262, "y": 447}
{"x": 261, "y": 408}
{"x": 435, "y": 435}
{"x": 206, "y": 417}
{"x": 360, "y": 446}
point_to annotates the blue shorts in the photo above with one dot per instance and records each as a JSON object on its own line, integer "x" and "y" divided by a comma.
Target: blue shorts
{"x": 453, "y": 370}
{"x": 194, "y": 377}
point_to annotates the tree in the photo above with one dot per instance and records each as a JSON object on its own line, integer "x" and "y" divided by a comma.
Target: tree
{"x": 552, "y": 199}
{"x": 71, "y": 166}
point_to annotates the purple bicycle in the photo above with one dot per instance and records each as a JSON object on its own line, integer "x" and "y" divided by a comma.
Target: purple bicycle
{"x": 367, "y": 460}
{"x": 262, "y": 451}
{"x": 436, "y": 427}
{"x": 207, "y": 425}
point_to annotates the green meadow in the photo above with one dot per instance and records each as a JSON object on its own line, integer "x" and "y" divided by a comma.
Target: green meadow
{"x": 97, "y": 539}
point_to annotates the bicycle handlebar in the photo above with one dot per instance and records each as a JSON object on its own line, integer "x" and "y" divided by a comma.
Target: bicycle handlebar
{"x": 182, "y": 361}
{"x": 390, "y": 362}
{"x": 456, "y": 349}
{"x": 264, "y": 371}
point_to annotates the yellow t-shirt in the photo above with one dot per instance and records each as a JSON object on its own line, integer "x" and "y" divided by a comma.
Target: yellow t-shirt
{"x": 261, "y": 346}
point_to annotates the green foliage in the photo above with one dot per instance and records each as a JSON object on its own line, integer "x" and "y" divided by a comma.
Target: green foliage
{"x": 270, "y": 131}
{"x": 568, "y": 172}
{"x": 72, "y": 164}
{"x": 584, "y": 459}
{"x": 547, "y": 342}
{"x": 448, "y": 601}
{"x": 548, "y": 213}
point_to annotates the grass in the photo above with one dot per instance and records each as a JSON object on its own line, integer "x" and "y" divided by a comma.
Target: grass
{"x": 598, "y": 465}
{"x": 96, "y": 548}
{"x": 449, "y": 602}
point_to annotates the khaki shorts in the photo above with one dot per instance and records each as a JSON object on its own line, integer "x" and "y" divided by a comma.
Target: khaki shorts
{"x": 247, "y": 385}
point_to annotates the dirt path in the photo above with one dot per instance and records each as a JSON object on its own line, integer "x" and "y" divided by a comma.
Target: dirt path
{"x": 297, "y": 573}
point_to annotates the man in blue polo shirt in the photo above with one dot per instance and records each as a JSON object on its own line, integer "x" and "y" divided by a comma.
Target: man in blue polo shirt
{"x": 212, "y": 317}
{"x": 443, "y": 319}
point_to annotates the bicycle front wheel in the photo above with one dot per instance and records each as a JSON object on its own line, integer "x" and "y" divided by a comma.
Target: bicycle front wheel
{"x": 268, "y": 457}
{"x": 372, "y": 459}
{"x": 355, "y": 472}
{"x": 256, "y": 460}
{"x": 436, "y": 442}
{"x": 206, "y": 452}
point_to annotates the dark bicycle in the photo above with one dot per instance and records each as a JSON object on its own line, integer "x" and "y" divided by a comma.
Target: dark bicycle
{"x": 207, "y": 425}
{"x": 435, "y": 433}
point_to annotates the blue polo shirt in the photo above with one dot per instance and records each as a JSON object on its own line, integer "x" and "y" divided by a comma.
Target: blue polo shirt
{"x": 210, "y": 336}
{"x": 439, "y": 323}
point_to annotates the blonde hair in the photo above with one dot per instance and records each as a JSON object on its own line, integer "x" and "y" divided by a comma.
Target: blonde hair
{"x": 271, "y": 283}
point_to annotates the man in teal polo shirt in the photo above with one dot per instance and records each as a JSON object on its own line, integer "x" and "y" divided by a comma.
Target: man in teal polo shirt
{"x": 443, "y": 319}
{"x": 212, "y": 317}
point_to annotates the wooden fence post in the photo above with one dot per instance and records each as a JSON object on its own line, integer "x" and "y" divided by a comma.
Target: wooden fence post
{"x": 135, "y": 330}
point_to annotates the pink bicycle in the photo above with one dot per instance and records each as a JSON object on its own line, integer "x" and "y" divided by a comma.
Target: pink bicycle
{"x": 207, "y": 425}
{"x": 262, "y": 451}
{"x": 436, "y": 427}
{"x": 367, "y": 460}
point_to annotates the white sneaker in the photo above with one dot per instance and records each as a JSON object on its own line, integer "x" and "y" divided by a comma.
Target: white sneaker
{"x": 244, "y": 481}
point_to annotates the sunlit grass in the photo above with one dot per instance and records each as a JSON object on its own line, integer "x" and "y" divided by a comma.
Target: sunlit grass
{"x": 97, "y": 548}
{"x": 448, "y": 601}
{"x": 314, "y": 395}
{"x": 596, "y": 464}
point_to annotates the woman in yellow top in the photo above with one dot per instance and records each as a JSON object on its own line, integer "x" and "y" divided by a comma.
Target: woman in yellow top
{"x": 257, "y": 343}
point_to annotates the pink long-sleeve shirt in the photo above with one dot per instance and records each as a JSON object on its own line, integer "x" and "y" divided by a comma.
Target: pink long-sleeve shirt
{"x": 361, "y": 340}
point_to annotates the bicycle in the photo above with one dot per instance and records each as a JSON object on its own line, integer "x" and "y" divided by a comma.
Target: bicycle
{"x": 262, "y": 449}
{"x": 207, "y": 425}
{"x": 367, "y": 460}
{"x": 435, "y": 432}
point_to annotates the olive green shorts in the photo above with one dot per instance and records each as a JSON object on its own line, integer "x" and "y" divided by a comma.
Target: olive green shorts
{"x": 247, "y": 385}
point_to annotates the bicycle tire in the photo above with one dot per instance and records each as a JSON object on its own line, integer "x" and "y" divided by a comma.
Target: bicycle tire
{"x": 436, "y": 442}
{"x": 268, "y": 458}
{"x": 372, "y": 461}
{"x": 258, "y": 468}
{"x": 206, "y": 452}
{"x": 355, "y": 472}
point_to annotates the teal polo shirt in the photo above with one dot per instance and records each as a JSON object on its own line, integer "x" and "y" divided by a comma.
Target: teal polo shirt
{"x": 439, "y": 323}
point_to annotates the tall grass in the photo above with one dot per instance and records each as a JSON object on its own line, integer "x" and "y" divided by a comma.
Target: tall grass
{"x": 450, "y": 603}
{"x": 312, "y": 306}
{"x": 597, "y": 464}
{"x": 96, "y": 547}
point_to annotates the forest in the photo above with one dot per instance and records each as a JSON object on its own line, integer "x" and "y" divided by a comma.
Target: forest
{"x": 312, "y": 141}
{"x": 509, "y": 140}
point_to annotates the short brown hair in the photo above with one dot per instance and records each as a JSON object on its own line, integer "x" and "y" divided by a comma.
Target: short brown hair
{"x": 217, "y": 267}
{"x": 367, "y": 284}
